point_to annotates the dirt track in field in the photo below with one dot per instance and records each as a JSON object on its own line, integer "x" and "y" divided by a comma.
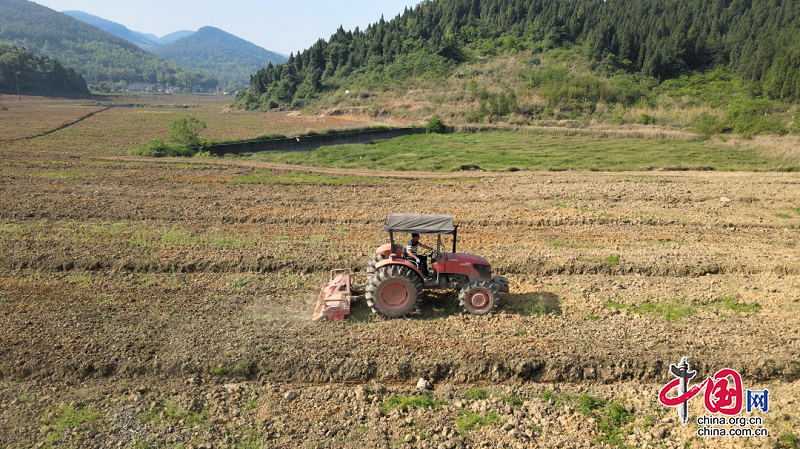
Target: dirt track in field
{"x": 172, "y": 297}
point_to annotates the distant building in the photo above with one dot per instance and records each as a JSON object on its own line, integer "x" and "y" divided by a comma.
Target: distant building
{"x": 140, "y": 87}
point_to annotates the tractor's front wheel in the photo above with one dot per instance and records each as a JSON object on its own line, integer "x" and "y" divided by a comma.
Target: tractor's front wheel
{"x": 393, "y": 291}
{"x": 478, "y": 297}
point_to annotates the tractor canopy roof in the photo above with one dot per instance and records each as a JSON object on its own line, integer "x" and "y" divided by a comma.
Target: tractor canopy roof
{"x": 420, "y": 223}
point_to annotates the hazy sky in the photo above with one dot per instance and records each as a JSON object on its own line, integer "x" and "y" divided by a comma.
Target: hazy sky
{"x": 282, "y": 26}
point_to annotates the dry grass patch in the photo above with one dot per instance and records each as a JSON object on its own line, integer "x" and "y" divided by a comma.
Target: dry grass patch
{"x": 782, "y": 148}
{"x": 136, "y": 127}
{"x": 31, "y": 116}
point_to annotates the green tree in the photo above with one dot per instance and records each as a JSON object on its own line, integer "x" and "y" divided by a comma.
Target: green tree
{"x": 231, "y": 89}
{"x": 186, "y": 131}
{"x": 37, "y": 75}
{"x": 106, "y": 86}
{"x": 185, "y": 80}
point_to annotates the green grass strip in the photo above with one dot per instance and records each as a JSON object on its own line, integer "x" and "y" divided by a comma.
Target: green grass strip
{"x": 511, "y": 151}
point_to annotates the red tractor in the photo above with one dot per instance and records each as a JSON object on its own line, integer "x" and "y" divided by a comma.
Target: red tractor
{"x": 396, "y": 281}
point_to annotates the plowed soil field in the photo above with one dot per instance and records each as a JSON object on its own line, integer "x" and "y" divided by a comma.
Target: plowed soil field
{"x": 166, "y": 302}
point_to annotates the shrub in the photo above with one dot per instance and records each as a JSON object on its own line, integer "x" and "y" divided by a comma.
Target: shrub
{"x": 559, "y": 87}
{"x": 435, "y": 125}
{"x": 754, "y": 117}
{"x": 788, "y": 440}
{"x": 186, "y": 131}
{"x": 503, "y": 103}
{"x": 645, "y": 119}
{"x": 468, "y": 167}
{"x": 612, "y": 65}
{"x": 420, "y": 63}
{"x": 587, "y": 404}
{"x": 536, "y": 78}
{"x": 266, "y": 102}
{"x": 548, "y": 396}
{"x": 472, "y": 88}
{"x": 246, "y": 99}
{"x": 612, "y": 421}
{"x": 158, "y": 148}
{"x": 510, "y": 44}
{"x": 628, "y": 90}
{"x": 706, "y": 125}
{"x": 475, "y": 117}
{"x": 486, "y": 47}
{"x": 714, "y": 89}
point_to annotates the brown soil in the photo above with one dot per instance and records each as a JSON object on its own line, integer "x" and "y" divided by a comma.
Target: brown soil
{"x": 167, "y": 303}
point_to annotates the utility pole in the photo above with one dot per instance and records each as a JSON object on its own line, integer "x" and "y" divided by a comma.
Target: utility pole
{"x": 2, "y": 108}
{"x": 16, "y": 76}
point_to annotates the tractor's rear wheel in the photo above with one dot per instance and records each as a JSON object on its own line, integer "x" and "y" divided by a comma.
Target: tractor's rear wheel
{"x": 479, "y": 297}
{"x": 394, "y": 291}
{"x": 372, "y": 262}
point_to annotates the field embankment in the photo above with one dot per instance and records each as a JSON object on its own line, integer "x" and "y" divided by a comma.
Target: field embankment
{"x": 153, "y": 302}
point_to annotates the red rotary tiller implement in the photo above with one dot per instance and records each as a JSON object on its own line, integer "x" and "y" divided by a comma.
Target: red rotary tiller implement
{"x": 396, "y": 282}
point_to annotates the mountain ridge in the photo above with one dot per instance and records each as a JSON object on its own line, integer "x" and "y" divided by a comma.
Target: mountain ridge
{"x": 114, "y": 28}
{"x": 147, "y": 41}
{"x": 175, "y": 35}
{"x": 96, "y": 54}
{"x": 648, "y": 41}
{"x": 229, "y": 57}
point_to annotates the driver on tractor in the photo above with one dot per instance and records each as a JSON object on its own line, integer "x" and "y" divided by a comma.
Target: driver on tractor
{"x": 412, "y": 247}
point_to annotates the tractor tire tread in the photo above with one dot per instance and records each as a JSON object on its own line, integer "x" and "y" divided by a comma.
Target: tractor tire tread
{"x": 488, "y": 286}
{"x": 373, "y": 261}
{"x": 392, "y": 271}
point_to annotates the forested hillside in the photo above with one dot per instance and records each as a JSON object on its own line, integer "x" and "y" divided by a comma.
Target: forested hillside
{"x": 116, "y": 29}
{"x": 229, "y": 58}
{"x": 756, "y": 40}
{"x": 37, "y": 75}
{"x": 143, "y": 40}
{"x": 95, "y": 53}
